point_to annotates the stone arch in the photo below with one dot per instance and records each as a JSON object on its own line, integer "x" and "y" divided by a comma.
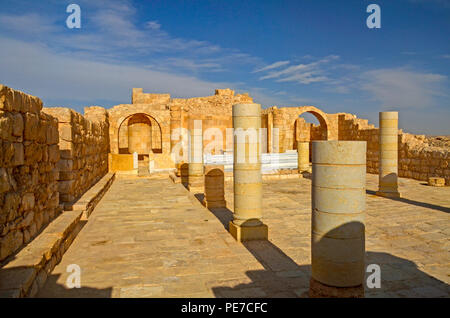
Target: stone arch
{"x": 155, "y": 133}
{"x": 322, "y": 131}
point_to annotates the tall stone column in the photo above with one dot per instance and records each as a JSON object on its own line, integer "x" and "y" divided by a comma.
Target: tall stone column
{"x": 388, "y": 155}
{"x": 279, "y": 123}
{"x": 196, "y": 171}
{"x": 175, "y": 123}
{"x": 247, "y": 224}
{"x": 338, "y": 204}
{"x": 303, "y": 156}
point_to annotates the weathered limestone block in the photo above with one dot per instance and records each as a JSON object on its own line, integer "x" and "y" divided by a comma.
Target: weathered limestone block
{"x": 4, "y": 181}
{"x": 214, "y": 187}
{"x": 247, "y": 224}
{"x": 18, "y": 158}
{"x": 31, "y": 126}
{"x": 10, "y": 243}
{"x": 33, "y": 153}
{"x": 436, "y": 181}
{"x": 53, "y": 153}
{"x": 6, "y": 125}
{"x": 65, "y": 165}
{"x": 18, "y": 125}
{"x": 28, "y": 201}
{"x": 338, "y": 204}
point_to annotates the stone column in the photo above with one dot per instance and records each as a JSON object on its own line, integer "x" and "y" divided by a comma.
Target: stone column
{"x": 388, "y": 155}
{"x": 338, "y": 204}
{"x": 135, "y": 161}
{"x": 196, "y": 175}
{"x": 279, "y": 122}
{"x": 175, "y": 123}
{"x": 214, "y": 187}
{"x": 303, "y": 156}
{"x": 246, "y": 224}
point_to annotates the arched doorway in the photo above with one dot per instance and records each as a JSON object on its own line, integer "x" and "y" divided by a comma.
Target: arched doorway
{"x": 140, "y": 133}
{"x": 144, "y": 133}
{"x": 309, "y": 125}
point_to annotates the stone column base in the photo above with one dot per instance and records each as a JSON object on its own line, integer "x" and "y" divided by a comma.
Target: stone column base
{"x": 214, "y": 204}
{"x": 319, "y": 290}
{"x": 249, "y": 233}
{"x": 388, "y": 194}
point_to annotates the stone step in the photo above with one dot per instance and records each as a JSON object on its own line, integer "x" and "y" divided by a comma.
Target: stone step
{"x": 28, "y": 271}
{"x": 90, "y": 198}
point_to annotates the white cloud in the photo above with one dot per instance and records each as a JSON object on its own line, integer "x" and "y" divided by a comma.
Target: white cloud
{"x": 271, "y": 66}
{"x": 38, "y": 71}
{"x": 404, "y": 88}
{"x": 110, "y": 33}
{"x": 30, "y": 24}
{"x": 300, "y": 73}
{"x": 154, "y": 25}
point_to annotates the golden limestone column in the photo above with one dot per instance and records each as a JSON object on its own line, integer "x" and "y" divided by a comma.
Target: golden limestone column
{"x": 246, "y": 224}
{"x": 303, "y": 156}
{"x": 337, "y": 231}
{"x": 388, "y": 155}
{"x": 196, "y": 171}
{"x": 175, "y": 124}
{"x": 279, "y": 123}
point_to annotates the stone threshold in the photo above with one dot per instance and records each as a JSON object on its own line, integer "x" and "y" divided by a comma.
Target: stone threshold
{"x": 29, "y": 269}
{"x": 90, "y": 198}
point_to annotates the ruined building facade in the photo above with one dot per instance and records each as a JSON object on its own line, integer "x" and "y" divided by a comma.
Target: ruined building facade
{"x": 50, "y": 157}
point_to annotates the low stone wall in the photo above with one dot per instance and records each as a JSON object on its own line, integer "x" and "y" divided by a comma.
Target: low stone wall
{"x": 28, "y": 174}
{"x": 84, "y": 147}
{"x": 416, "y": 158}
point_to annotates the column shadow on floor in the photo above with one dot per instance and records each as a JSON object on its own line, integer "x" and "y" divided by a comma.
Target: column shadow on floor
{"x": 283, "y": 277}
{"x": 413, "y": 202}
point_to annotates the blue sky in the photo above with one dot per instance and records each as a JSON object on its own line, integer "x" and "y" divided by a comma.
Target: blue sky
{"x": 284, "y": 53}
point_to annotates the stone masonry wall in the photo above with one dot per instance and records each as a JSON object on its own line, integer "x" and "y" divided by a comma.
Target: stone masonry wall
{"x": 84, "y": 147}
{"x": 28, "y": 174}
{"x": 416, "y": 158}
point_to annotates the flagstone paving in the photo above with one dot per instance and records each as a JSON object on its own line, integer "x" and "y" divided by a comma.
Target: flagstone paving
{"x": 149, "y": 237}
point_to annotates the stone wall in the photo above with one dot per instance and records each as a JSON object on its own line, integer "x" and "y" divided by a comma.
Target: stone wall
{"x": 84, "y": 147}
{"x": 28, "y": 173}
{"x": 417, "y": 159}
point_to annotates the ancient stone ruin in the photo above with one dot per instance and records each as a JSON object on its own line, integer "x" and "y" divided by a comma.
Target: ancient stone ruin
{"x": 56, "y": 165}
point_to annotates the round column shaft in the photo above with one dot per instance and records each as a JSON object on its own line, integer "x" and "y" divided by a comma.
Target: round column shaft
{"x": 338, "y": 203}
{"x": 388, "y": 155}
{"x": 246, "y": 224}
{"x": 303, "y": 156}
{"x": 196, "y": 172}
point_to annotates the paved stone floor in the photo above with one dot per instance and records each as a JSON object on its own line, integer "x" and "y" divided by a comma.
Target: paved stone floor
{"x": 151, "y": 238}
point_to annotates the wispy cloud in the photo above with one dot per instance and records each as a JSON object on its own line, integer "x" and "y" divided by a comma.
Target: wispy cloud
{"x": 58, "y": 78}
{"x": 271, "y": 66}
{"x": 404, "y": 88}
{"x": 300, "y": 73}
{"x": 110, "y": 32}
